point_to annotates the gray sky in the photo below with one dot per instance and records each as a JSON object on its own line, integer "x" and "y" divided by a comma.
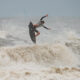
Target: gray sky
{"x": 12, "y": 8}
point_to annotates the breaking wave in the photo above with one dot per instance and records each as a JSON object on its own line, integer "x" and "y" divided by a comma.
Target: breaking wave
{"x": 56, "y": 54}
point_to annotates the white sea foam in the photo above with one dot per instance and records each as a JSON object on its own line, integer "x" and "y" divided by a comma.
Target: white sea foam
{"x": 56, "y": 55}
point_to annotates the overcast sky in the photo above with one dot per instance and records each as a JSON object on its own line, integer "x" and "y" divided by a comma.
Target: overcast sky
{"x": 14, "y": 8}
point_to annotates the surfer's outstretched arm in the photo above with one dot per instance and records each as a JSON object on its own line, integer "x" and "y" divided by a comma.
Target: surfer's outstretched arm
{"x": 43, "y": 17}
{"x": 46, "y": 27}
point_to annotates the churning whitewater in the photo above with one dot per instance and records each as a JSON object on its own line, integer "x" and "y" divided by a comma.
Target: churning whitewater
{"x": 55, "y": 56}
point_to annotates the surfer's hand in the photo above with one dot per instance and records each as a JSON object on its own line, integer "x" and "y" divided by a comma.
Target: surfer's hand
{"x": 49, "y": 28}
{"x": 46, "y": 15}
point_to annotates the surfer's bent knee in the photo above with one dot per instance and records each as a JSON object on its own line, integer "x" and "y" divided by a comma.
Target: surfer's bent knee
{"x": 38, "y": 33}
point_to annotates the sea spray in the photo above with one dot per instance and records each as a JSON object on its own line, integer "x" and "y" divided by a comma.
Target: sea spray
{"x": 54, "y": 57}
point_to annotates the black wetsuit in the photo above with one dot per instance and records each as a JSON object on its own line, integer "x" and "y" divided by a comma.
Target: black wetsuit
{"x": 40, "y": 24}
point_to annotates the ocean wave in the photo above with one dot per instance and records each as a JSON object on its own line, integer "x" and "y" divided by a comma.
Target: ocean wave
{"x": 56, "y": 54}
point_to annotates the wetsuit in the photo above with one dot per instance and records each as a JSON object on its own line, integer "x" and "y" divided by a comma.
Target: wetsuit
{"x": 40, "y": 24}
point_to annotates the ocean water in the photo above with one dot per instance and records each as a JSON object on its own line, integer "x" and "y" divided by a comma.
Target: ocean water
{"x": 55, "y": 56}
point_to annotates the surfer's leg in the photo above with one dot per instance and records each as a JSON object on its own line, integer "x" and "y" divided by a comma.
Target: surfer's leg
{"x": 38, "y": 33}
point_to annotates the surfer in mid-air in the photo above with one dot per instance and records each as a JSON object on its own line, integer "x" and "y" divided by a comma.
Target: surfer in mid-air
{"x": 39, "y": 24}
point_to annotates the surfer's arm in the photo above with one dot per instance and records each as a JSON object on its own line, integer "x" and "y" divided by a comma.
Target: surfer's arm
{"x": 43, "y": 17}
{"x": 46, "y": 27}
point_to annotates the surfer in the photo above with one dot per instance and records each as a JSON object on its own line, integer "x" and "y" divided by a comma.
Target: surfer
{"x": 39, "y": 24}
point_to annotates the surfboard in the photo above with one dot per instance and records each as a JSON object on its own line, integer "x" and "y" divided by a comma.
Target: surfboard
{"x": 32, "y": 32}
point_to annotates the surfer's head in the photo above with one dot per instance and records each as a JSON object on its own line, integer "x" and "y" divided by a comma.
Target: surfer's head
{"x": 42, "y": 22}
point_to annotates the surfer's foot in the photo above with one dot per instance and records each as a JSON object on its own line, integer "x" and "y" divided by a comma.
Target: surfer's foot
{"x": 37, "y": 34}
